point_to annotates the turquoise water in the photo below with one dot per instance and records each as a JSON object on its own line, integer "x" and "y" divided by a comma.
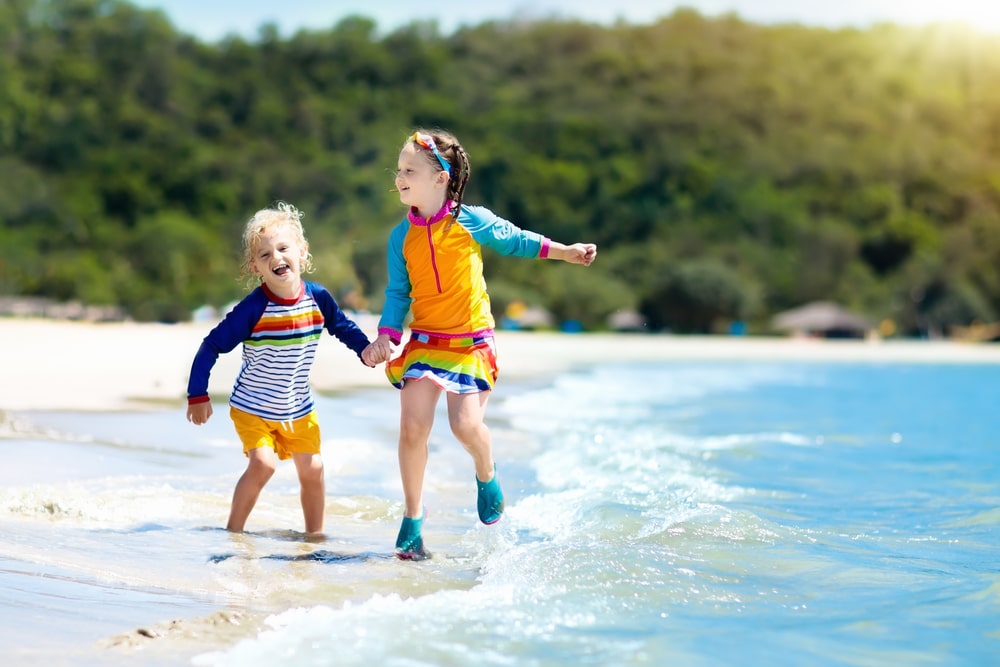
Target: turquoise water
{"x": 751, "y": 514}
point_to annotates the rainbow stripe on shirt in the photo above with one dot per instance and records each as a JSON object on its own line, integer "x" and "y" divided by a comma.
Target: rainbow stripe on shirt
{"x": 282, "y": 345}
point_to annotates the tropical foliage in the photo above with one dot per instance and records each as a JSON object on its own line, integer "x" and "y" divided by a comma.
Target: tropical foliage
{"x": 727, "y": 170}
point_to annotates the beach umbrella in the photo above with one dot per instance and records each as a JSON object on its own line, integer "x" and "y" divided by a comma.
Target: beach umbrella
{"x": 822, "y": 318}
{"x": 626, "y": 320}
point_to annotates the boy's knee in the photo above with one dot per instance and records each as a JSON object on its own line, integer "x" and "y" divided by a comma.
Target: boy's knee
{"x": 310, "y": 470}
{"x": 261, "y": 467}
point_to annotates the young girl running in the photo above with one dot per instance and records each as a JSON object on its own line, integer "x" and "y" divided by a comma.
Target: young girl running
{"x": 279, "y": 324}
{"x": 436, "y": 270}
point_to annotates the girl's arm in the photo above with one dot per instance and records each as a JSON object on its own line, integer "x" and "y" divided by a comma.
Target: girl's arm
{"x": 577, "y": 253}
{"x": 505, "y": 237}
{"x": 397, "y": 292}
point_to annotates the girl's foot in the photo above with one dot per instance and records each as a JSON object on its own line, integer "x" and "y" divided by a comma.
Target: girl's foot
{"x": 490, "y": 501}
{"x": 409, "y": 542}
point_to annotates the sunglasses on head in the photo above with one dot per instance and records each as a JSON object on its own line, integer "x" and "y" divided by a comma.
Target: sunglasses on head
{"x": 426, "y": 141}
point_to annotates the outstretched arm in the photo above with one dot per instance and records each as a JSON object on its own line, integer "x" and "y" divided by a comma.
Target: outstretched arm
{"x": 577, "y": 253}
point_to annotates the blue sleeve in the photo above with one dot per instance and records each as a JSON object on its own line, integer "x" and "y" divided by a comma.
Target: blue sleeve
{"x": 234, "y": 328}
{"x": 397, "y": 292}
{"x": 336, "y": 321}
{"x": 503, "y": 236}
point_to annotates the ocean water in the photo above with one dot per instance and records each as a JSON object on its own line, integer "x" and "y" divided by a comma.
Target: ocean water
{"x": 696, "y": 514}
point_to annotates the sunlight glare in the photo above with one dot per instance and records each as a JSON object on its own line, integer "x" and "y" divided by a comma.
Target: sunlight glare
{"x": 979, "y": 14}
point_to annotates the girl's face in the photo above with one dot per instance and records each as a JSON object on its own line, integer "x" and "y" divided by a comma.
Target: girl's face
{"x": 419, "y": 183}
{"x": 277, "y": 259}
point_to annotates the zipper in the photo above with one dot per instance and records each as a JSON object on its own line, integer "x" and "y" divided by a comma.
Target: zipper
{"x": 430, "y": 243}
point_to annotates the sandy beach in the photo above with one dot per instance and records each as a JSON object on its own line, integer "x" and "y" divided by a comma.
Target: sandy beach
{"x": 112, "y": 503}
{"x": 62, "y": 365}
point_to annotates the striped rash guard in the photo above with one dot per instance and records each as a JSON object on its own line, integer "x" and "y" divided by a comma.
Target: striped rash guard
{"x": 279, "y": 339}
{"x": 436, "y": 268}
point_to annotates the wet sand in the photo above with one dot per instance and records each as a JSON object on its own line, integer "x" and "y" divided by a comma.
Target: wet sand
{"x": 60, "y": 365}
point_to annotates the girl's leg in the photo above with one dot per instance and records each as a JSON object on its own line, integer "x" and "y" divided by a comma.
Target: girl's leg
{"x": 466, "y": 413}
{"x": 312, "y": 490}
{"x": 261, "y": 465}
{"x": 416, "y": 417}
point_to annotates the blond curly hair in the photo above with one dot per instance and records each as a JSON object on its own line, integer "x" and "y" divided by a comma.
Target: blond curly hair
{"x": 281, "y": 213}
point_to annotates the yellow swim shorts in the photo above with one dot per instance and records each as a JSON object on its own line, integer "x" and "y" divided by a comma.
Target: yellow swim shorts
{"x": 298, "y": 436}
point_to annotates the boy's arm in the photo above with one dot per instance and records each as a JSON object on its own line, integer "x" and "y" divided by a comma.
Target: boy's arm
{"x": 337, "y": 322}
{"x": 234, "y": 328}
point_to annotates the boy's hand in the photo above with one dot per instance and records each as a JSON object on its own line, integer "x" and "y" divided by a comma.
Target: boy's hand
{"x": 199, "y": 413}
{"x": 377, "y": 351}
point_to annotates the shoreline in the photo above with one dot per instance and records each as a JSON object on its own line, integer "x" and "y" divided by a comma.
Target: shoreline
{"x": 81, "y": 366}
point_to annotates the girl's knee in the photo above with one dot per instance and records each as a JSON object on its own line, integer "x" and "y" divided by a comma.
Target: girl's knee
{"x": 414, "y": 434}
{"x": 468, "y": 431}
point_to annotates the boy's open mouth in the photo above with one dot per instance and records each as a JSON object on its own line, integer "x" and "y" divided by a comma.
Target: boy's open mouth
{"x": 281, "y": 270}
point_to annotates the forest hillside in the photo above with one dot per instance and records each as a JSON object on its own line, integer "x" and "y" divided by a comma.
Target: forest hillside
{"x": 727, "y": 171}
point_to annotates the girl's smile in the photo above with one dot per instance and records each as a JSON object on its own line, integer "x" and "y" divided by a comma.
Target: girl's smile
{"x": 420, "y": 185}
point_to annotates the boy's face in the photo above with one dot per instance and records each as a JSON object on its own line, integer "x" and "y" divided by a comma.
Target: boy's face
{"x": 277, "y": 259}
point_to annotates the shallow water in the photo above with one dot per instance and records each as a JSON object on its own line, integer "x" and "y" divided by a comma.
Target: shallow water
{"x": 821, "y": 514}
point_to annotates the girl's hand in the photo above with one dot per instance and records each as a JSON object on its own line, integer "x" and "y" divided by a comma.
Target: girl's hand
{"x": 377, "y": 351}
{"x": 579, "y": 253}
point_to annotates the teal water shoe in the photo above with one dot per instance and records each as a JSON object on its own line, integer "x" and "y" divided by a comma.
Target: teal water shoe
{"x": 490, "y": 501}
{"x": 409, "y": 542}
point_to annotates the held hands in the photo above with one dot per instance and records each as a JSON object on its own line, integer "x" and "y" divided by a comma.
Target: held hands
{"x": 377, "y": 351}
{"x": 199, "y": 413}
{"x": 577, "y": 253}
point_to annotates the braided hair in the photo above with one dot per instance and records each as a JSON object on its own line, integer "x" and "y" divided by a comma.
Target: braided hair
{"x": 455, "y": 154}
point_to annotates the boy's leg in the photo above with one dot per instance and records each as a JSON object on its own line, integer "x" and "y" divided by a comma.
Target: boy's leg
{"x": 312, "y": 490}
{"x": 417, "y": 402}
{"x": 261, "y": 465}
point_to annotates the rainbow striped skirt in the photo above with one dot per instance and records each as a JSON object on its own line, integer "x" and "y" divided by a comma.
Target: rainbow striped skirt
{"x": 457, "y": 365}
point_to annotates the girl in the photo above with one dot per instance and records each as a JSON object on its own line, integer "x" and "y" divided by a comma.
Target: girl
{"x": 280, "y": 324}
{"x": 436, "y": 269}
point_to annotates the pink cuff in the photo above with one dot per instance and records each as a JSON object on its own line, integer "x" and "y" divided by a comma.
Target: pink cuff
{"x": 394, "y": 334}
{"x": 544, "y": 252}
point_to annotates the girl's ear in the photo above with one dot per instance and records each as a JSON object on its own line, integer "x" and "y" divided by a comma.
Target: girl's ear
{"x": 442, "y": 178}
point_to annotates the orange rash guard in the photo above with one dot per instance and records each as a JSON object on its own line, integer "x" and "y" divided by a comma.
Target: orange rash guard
{"x": 436, "y": 269}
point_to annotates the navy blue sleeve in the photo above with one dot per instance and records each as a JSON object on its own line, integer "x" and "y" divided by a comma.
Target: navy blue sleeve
{"x": 234, "y": 328}
{"x": 336, "y": 321}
